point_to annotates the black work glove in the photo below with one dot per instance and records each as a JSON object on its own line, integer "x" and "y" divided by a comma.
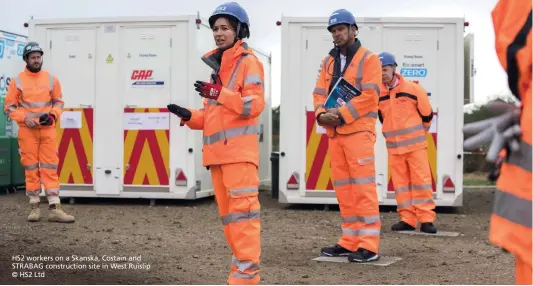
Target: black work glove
{"x": 181, "y": 112}
{"x": 47, "y": 119}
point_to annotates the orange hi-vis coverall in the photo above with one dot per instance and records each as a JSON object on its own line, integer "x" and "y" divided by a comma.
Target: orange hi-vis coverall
{"x": 351, "y": 146}
{"x": 511, "y": 219}
{"x": 32, "y": 95}
{"x": 406, "y": 115}
{"x": 231, "y": 150}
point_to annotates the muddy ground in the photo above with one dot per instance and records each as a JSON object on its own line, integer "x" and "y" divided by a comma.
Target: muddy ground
{"x": 183, "y": 243}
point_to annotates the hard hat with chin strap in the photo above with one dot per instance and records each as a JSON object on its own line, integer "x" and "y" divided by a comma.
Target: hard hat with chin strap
{"x": 30, "y": 48}
{"x": 341, "y": 16}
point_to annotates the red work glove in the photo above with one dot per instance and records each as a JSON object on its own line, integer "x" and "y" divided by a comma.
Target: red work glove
{"x": 208, "y": 90}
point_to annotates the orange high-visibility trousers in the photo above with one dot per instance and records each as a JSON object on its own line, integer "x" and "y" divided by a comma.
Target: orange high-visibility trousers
{"x": 38, "y": 155}
{"x": 523, "y": 272}
{"x": 236, "y": 192}
{"x": 354, "y": 181}
{"x": 411, "y": 177}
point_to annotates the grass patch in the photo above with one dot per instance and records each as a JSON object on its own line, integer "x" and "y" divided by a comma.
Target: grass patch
{"x": 477, "y": 179}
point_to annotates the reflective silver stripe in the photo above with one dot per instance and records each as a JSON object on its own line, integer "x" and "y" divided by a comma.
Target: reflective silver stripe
{"x": 35, "y": 104}
{"x": 35, "y": 115}
{"x": 54, "y": 192}
{"x": 402, "y": 189}
{"x": 406, "y": 142}
{"x": 57, "y": 103}
{"x": 17, "y": 83}
{"x": 32, "y": 167}
{"x": 10, "y": 105}
{"x": 244, "y": 275}
{"x": 365, "y": 219}
{"x": 230, "y": 133}
{"x": 512, "y": 208}
{"x": 414, "y": 202}
{"x": 319, "y": 106}
{"x": 251, "y": 190}
{"x": 202, "y": 109}
{"x": 353, "y": 111}
{"x": 371, "y": 115}
{"x": 373, "y": 86}
{"x": 253, "y": 79}
{"x": 320, "y": 91}
{"x": 238, "y": 217}
{"x": 522, "y": 158}
{"x": 213, "y": 102}
{"x": 364, "y": 160}
{"x": 231, "y": 83}
{"x": 361, "y": 232}
{"x": 403, "y": 131}
{"x": 51, "y": 79}
{"x": 359, "y": 74}
{"x": 48, "y": 166}
{"x": 33, "y": 193}
{"x": 354, "y": 181}
{"x": 421, "y": 187}
{"x": 244, "y": 265}
{"x": 247, "y": 106}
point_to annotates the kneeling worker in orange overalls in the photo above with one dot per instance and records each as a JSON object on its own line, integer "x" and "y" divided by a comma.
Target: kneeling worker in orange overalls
{"x": 34, "y": 101}
{"x": 233, "y": 101}
{"x": 406, "y": 115}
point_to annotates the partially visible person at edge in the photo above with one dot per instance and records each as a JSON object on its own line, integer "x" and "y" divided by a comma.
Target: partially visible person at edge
{"x": 34, "y": 101}
{"x": 233, "y": 101}
{"x": 406, "y": 115}
{"x": 351, "y": 129}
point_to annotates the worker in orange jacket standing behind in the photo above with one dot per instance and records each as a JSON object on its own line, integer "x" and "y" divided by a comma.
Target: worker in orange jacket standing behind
{"x": 351, "y": 130}
{"x": 233, "y": 101}
{"x": 34, "y": 101}
{"x": 406, "y": 114}
{"x": 510, "y": 136}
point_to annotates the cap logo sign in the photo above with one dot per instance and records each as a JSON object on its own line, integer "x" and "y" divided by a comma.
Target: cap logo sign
{"x": 221, "y": 8}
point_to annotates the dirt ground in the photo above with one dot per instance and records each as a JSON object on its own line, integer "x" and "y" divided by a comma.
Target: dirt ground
{"x": 183, "y": 243}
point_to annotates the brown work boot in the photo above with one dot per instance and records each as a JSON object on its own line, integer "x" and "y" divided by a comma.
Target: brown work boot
{"x": 58, "y": 215}
{"x": 35, "y": 213}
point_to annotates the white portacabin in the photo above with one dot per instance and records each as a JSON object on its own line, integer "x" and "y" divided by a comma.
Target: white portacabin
{"x": 431, "y": 51}
{"x": 118, "y": 74}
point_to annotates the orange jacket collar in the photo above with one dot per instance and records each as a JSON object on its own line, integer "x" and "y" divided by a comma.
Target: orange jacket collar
{"x": 29, "y": 73}
{"x": 238, "y": 49}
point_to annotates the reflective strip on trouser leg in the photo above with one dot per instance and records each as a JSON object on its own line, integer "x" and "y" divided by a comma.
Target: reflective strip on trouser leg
{"x": 29, "y": 148}
{"x": 222, "y": 198}
{"x": 421, "y": 187}
{"x": 241, "y": 181}
{"x": 49, "y": 161}
{"x": 401, "y": 180}
{"x": 354, "y": 182}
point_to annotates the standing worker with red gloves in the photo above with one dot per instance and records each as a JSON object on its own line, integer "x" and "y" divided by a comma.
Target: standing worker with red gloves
{"x": 34, "y": 101}
{"x": 406, "y": 114}
{"x": 233, "y": 101}
{"x": 510, "y": 135}
{"x": 351, "y": 130}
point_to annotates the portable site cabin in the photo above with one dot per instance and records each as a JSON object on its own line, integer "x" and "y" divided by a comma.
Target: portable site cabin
{"x": 431, "y": 51}
{"x": 116, "y": 137}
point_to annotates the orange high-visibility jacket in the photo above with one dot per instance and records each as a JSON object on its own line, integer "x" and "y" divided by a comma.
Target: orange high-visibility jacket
{"x": 364, "y": 72}
{"x": 32, "y": 95}
{"x": 406, "y": 115}
{"x": 230, "y": 123}
{"x": 511, "y": 220}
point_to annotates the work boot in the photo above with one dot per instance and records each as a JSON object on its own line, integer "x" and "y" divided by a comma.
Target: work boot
{"x": 428, "y": 227}
{"x": 35, "y": 213}
{"x": 335, "y": 250}
{"x": 58, "y": 215}
{"x": 363, "y": 255}
{"x": 402, "y": 226}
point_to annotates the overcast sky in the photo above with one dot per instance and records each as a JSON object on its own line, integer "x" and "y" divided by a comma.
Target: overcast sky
{"x": 264, "y": 14}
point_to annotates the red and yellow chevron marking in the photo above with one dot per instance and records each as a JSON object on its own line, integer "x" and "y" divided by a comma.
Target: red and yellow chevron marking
{"x": 147, "y": 153}
{"x": 318, "y": 168}
{"x": 431, "y": 138}
{"x": 75, "y": 150}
